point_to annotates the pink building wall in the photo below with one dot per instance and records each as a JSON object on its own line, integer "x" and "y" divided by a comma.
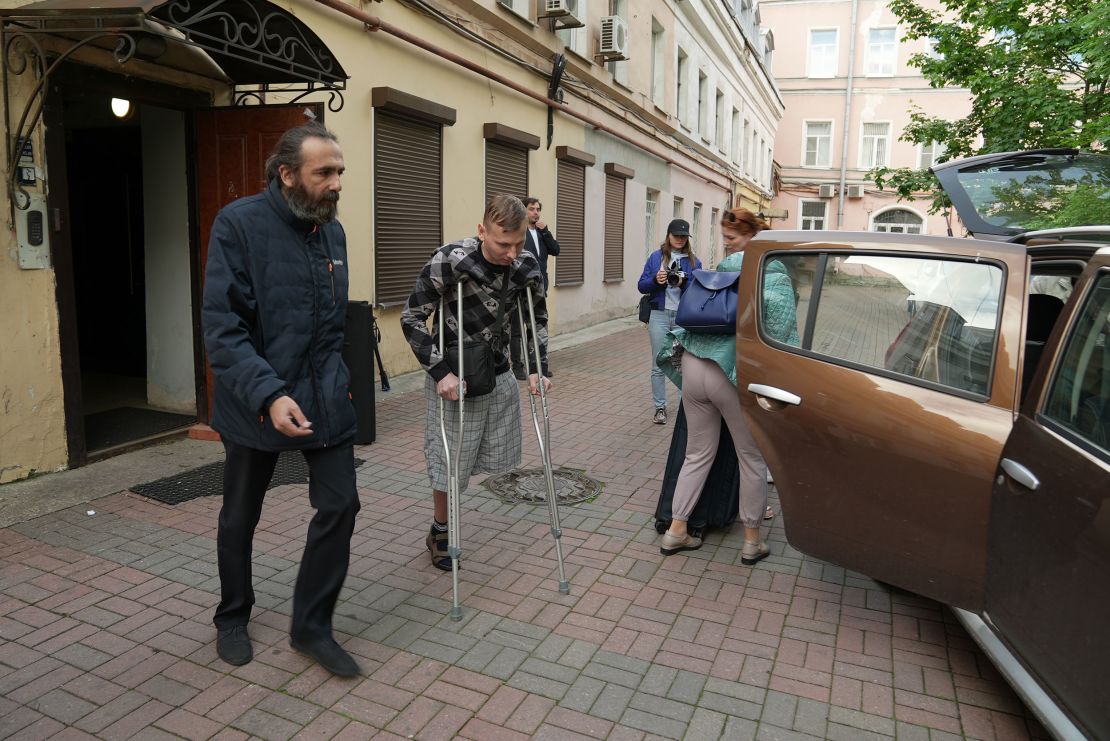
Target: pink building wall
{"x": 816, "y": 91}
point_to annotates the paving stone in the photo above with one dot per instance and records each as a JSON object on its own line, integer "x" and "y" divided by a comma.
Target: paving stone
{"x": 612, "y": 702}
{"x": 656, "y": 725}
{"x": 582, "y": 694}
{"x": 538, "y": 685}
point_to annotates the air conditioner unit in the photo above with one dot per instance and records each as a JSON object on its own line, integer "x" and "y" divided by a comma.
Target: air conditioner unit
{"x": 826, "y": 191}
{"x": 855, "y": 191}
{"x": 559, "y": 8}
{"x": 565, "y": 13}
{"x": 614, "y": 38}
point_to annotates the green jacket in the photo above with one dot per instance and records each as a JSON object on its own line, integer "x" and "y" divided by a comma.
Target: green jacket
{"x": 779, "y": 321}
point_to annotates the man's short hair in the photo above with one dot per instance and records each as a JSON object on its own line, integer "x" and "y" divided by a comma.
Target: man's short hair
{"x": 532, "y": 199}
{"x": 505, "y": 211}
{"x": 288, "y": 149}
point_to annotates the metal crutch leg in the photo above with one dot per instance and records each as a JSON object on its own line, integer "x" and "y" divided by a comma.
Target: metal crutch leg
{"x": 544, "y": 437}
{"x": 454, "y": 549}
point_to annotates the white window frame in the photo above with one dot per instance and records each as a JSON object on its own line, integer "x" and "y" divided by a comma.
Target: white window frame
{"x": 651, "y": 209}
{"x": 703, "y": 105}
{"x": 805, "y": 142}
{"x": 678, "y": 208}
{"x": 734, "y": 143}
{"x": 577, "y": 39}
{"x": 861, "y": 162}
{"x": 657, "y": 74}
{"x": 714, "y": 236}
{"x": 718, "y": 123}
{"x": 682, "y": 92}
{"x": 619, "y": 69}
{"x": 523, "y": 8}
{"x": 876, "y": 63}
{"x": 832, "y": 69}
{"x": 934, "y": 154}
{"x": 695, "y": 224}
{"x": 898, "y": 207}
{"x": 746, "y": 147}
{"x": 801, "y": 207}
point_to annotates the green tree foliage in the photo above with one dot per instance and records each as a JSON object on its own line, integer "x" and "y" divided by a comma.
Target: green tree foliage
{"x": 1037, "y": 73}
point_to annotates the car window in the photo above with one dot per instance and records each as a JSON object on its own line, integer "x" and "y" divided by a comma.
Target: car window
{"x": 932, "y": 320}
{"x": 1059, "y": 286}
{"x": 1079, "y": 401}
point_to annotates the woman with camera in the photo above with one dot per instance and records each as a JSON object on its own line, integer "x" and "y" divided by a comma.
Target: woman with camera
{"x": 708, "y": 381}
{"x": 664, "y": 281}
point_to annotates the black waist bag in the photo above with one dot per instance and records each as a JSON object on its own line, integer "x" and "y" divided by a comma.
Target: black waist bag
{"x": 478, "y": 364}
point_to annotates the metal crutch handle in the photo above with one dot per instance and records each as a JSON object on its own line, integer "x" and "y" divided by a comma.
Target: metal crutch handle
{"x": 543, "y": 437}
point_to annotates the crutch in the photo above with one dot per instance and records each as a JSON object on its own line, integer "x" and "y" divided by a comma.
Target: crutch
{"x": 454, "y": 549}
{"x": 544, "y": 437}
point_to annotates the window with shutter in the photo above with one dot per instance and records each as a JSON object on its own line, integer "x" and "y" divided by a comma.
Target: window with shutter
{"x": 408, "y": 201}
{"x": 614, "y": 228}
{"x": 571, "y": 206}
{"x": 506, "y": 170}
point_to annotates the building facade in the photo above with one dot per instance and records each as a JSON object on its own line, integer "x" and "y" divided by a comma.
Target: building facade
{"x": 131, "y": 125}
{"x": 843, "y": 70}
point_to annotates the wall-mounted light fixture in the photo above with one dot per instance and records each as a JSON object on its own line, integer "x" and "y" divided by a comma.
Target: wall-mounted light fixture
{"x": 122, "y": 108}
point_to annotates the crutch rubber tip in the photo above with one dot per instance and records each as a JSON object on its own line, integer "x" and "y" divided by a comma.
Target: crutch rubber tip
{"x": 456, "y": 614}
{"x": 564, "y": 587}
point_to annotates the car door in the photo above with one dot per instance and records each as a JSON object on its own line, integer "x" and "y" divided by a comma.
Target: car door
{"x": 1048, "y": 576}
{"x": 883, "y": 411}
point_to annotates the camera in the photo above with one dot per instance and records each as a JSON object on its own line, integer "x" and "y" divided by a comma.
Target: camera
{"x": 675, "y": 277}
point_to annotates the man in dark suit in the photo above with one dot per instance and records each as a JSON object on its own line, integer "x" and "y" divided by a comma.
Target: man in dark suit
{"x": 540, "y": 242}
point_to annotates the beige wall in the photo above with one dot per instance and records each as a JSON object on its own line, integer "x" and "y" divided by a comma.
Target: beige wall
{"x": 32, "y": 427}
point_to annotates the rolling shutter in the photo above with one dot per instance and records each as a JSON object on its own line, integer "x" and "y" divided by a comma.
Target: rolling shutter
{"x": 571, "y": 205}
{"x": 408, "y": 201}
{"x": 506, "y": 170}
{"x": 614, "y": 228}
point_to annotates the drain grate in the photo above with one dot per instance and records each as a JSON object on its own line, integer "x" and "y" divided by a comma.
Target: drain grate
{"x": 528, "y": 486}
{"x": 208, "y": 480}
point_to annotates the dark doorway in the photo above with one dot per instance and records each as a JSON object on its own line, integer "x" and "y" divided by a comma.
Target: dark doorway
{"x": 131, "y": 285}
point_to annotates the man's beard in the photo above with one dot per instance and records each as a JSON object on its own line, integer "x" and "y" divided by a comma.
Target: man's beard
{"x": 304, "y": 208}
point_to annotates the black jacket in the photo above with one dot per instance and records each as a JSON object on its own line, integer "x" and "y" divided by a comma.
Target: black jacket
{"x": 275, "y": 299}
{"x": 547, "y": 246}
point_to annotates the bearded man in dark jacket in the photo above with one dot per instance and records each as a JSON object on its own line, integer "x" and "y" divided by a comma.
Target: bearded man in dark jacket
{"x": 275, "y": 299}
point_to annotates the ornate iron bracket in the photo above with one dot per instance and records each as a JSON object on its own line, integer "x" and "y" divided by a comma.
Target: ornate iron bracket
{"x": 245, "y": 96}
{"x": 22, "y": 52}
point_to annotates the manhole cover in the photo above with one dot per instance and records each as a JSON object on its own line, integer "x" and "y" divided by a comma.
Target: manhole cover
{"x": 527, "y": 486}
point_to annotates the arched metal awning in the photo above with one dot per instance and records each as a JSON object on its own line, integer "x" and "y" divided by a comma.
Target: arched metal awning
{"x": 251, "y": 44}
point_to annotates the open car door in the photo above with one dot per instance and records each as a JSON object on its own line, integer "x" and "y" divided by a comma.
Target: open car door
{"x": 1048, "y": 584}
{"x": 879, "y": 375}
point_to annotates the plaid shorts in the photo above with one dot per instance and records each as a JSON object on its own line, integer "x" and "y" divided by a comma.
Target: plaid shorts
{"x": 491, "y": 435}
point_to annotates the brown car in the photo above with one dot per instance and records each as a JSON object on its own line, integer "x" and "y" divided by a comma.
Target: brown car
{"x": 943, "y": 423}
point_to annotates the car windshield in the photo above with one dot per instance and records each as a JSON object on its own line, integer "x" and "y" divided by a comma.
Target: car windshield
{"x": 1027, "y": 192}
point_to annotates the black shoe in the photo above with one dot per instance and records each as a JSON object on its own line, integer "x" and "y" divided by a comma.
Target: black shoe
{"x": 519, "y": 373}
{"x": 437, "y": 547}
{"x": 549, "y": 374}
{"x": 329, "y": 655}
{"x": 234, "y": 645}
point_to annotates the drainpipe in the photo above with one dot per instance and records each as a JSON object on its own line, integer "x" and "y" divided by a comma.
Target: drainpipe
{"x": 374, "y": 23}
{"x": 847, "y": 117}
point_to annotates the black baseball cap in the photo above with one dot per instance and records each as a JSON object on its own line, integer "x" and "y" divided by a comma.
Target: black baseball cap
{"x": 679, "y": 228}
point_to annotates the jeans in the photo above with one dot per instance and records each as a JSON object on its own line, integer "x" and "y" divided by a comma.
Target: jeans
{"x": 660, "y": 323}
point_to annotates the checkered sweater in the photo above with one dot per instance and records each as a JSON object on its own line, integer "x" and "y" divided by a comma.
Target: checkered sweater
{"x": 481, "y": 295}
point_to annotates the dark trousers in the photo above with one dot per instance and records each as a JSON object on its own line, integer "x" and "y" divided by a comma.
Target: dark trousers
{"x": 327, "y": 552}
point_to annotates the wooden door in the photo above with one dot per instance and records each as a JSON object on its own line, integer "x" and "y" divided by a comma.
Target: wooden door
{"x": 232, "y": 145}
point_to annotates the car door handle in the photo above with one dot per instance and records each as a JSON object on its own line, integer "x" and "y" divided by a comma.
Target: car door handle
{"x": 774, "y": 393}
{"x": 1020, "y": 474}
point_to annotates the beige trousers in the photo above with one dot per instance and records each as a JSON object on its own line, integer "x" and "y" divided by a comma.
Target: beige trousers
{"x": 707, "y": 397}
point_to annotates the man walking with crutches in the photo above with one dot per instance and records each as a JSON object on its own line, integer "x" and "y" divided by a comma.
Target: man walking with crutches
{"x": 482, "y": 277}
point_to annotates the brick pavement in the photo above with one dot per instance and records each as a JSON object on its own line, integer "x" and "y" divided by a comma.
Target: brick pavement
{"x": 105, "y": 625}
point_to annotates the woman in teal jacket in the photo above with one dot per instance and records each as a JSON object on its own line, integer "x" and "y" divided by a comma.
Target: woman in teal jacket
{"x": 708, "y": 383}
